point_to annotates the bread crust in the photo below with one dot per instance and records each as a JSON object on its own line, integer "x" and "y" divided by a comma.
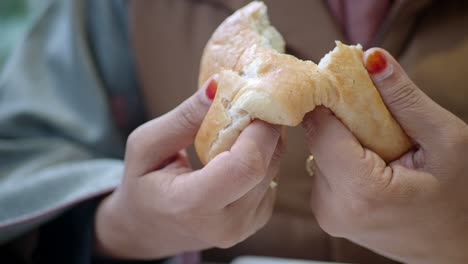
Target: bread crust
{"x": 258, "y": 81}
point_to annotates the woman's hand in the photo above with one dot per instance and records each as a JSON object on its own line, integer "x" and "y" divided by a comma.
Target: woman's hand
{"x": 414, "y": 209}
{"x": 163, "y": 207}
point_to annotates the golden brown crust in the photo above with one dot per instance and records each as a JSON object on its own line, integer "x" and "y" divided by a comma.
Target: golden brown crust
{"x": 236, "y": 34}
{"x": 360, "y": 106}
{"x": 257, "y": 82}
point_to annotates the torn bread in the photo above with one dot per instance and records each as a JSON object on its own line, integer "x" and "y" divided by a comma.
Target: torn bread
{"x": 258, "y": 81}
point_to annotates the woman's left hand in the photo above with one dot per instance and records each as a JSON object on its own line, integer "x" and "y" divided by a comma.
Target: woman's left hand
{"x": 414, "y": 209}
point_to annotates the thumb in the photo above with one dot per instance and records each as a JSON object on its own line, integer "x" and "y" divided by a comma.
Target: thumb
{"x": 419, "y": 116}
{"x": 152, "y": 144}
{"x": 185, "y": 120}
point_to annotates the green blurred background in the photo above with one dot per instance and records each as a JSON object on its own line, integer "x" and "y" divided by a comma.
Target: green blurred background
{"x": 15, "y": 18}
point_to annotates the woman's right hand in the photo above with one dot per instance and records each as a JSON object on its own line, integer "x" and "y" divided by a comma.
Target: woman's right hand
{"x": 414, "y": 209}
{"x": 163, "y": 207}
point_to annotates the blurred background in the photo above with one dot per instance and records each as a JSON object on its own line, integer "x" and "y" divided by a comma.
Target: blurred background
{"x": 15, "y": 18}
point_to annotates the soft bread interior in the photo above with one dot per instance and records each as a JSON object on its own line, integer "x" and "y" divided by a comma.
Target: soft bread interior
{"x": 239, "y": 120}
{"x": 242, "y": 103}
{"x": 327, "y": 58}
{"x": 260, "y": 24}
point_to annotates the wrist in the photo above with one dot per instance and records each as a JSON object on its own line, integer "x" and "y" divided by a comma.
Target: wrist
{"x": 111, "y": 234}
{"x": 119, "y": 234}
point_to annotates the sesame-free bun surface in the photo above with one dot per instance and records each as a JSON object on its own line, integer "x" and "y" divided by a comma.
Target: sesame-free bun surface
{"x": 258, "y": 81}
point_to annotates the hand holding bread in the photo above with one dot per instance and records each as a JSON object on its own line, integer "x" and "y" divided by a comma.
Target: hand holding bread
{"x": 413, "y": 209}
{"x": 163, "y": 207}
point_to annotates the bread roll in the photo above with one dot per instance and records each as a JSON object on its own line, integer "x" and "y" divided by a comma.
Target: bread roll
{"x": 258, "y": 81}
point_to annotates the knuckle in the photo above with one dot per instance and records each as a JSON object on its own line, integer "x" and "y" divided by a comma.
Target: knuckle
{"x": 456, "y": 136}
{"x": 251, "y": 170}
{"x": 134, "y": 141}
{"x": 372, "y": 177}
{"x": 404, "y": 95}
{"x": 188, "y": 116}
{"x": 252, "y": 167}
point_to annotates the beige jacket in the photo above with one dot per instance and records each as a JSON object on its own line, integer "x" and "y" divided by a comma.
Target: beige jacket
{"x": 428, "y": 37}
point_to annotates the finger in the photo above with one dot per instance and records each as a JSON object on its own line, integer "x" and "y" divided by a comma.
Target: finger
{"x": 249, "y": 220}
{"x": 257, "y": 216}
{"x": 232, "y": 174}
{"x": 178, "y": 162}
{"x": 251, "y": 200}
{"x": 257, "y": 205}
{"x": 320, "y": 192}
{"x": 321, "y": 201}
{"x": 264, "y": 210}
{"x": 421, "y": 118}
{"x": 153, "y": 143}
{"x": 281, "y": 148}
{"x": 238, "y": 225}
{"x": 337, "y": 153}
{"x": 334, "y": 147}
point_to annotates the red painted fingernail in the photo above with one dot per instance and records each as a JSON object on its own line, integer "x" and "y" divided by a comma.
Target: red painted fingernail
{"x": 211, "y": 89}
{"x": 376, "y": 62}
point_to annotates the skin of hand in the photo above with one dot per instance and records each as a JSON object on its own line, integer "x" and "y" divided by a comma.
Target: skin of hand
{"x": 414, "y": 209}
{"x": 163, "y": 207}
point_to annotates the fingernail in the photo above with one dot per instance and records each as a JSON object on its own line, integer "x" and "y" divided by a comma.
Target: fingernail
{"x": 211, "y": 88}
{"x": 377, "y": 65}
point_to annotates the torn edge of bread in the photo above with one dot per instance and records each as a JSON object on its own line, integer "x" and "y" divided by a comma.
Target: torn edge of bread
{"x": 260, "y": 23}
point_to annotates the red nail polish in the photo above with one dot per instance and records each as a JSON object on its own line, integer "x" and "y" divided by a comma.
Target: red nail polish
{"x": 376, "y": 62}
{"x": 211, "y": 89}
